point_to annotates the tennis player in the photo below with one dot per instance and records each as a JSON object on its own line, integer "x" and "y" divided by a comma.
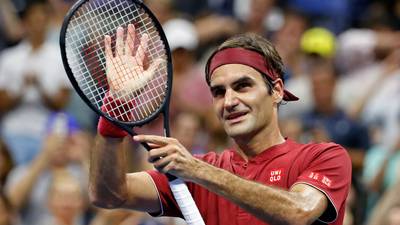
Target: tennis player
{"x": 264, "y": 178}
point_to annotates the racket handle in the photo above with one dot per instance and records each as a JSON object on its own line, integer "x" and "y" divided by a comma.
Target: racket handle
{"x": 186, "y": 203}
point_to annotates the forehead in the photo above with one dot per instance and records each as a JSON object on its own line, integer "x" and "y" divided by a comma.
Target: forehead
{"x": 229, "y": 73}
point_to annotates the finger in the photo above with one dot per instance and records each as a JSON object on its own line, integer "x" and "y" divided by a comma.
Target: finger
{"x": 156, "y": 64}
{"x": 119, "y": 48}
{"x": 107, "y": 46}
{"x": 152, "y": 145}
{"x": 165, "y": 164}
{"x": 157, "y": 154}
{"x": 130, "y": 40}
{"x": 141, "y": 52}
{"x": 159, "y": 140}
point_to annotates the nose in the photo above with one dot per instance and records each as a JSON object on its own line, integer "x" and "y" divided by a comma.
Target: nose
{"x": 231, "y": 100}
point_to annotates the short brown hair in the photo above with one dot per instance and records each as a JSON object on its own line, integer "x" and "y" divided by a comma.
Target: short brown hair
{"x": 255, "y": 43}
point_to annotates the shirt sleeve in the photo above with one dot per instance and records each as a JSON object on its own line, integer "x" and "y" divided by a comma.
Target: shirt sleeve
{"x": 168, "y": 205}
{"x": 329, "y": 170}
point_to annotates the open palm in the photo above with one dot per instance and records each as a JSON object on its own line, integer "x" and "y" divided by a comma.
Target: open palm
{"x": 125, "y": 72}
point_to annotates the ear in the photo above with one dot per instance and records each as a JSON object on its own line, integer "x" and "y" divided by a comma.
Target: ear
{"x": 277, "y": 91}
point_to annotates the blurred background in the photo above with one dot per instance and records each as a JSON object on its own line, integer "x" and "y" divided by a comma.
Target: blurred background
{"x": 342, "y": 59}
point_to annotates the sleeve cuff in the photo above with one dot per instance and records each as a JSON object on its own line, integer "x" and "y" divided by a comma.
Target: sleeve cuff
{"x": 331, "y": 213}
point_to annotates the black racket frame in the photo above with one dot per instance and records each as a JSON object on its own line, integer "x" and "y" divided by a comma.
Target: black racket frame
{"x": 127, "y": 126}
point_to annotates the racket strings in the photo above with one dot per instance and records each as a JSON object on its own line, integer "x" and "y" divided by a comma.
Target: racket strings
{"x": 87, "y": 58}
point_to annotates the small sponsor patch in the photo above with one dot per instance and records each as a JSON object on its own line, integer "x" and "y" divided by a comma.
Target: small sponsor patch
{"x": 320, "y": 178}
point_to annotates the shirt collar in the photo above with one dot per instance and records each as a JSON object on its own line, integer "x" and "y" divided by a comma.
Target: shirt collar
{"x": 267, "y": 154}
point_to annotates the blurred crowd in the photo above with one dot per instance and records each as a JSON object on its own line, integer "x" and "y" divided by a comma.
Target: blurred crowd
{"x": 342, "y": 59}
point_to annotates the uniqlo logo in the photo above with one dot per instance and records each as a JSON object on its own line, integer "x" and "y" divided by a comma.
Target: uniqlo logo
{"x": 275, "y": 175}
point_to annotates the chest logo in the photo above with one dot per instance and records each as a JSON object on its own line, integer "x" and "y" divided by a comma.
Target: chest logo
{"x": 275, "y": 175}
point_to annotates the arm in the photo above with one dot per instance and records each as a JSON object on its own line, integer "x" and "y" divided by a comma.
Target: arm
{"x": 58, "y": 101}
{"x": 387, "y": 201}
{"x": 301, "y": 205}
{"x": 12, "y": 24}
{"x": 111, "y": 187}
{"x": 7, "y": 101}
{"x": 376, "y": 183}
{"x": 55, "y": 101}
{"x": 390, "y": 65}
{"x": 19, "y": 192}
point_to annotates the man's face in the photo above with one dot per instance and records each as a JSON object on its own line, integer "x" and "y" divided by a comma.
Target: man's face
{"x": 323, "y": 88}
{"x": 36, "y": 19}
{"x": 241, "y": 100}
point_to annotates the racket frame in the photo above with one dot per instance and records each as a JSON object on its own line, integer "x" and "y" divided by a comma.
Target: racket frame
{"x": 127, "y": 126}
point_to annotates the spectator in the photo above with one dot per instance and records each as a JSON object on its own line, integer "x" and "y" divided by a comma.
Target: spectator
{"x": 28, "y": 185}
{"x": 314, "y": 46}
{"x": 369, "y": 101}
{"x": 254, "y": 15}
{"x": 380, "y": 171}
{"x": 66, "y": 200}
{"x": 328, "y": 121}
{"x": 384, "y": 212}
{"x": 29, "y": 91}
{"x": 187, "y": 128}
{"x": 333, "y": 15}
{"x": 188, "y": 94}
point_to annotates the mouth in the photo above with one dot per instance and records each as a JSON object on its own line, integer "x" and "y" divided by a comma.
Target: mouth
{"x": 235, "y": 117}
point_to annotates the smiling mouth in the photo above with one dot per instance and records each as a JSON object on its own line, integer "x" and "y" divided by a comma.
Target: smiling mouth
{"x": 235, "y": 117}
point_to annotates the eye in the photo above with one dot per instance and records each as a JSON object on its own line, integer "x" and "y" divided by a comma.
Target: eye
{"x": 217, "y": 92}
{"x": 242, "y": 86}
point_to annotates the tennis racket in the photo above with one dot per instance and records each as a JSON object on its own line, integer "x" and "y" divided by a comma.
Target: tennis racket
{"x": 116, "y": 49}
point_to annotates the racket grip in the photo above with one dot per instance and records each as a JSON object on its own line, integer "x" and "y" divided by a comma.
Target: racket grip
{"x": 186, "y": 203}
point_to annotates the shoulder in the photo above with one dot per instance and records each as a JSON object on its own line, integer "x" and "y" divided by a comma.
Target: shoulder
{"x": 311, "y": 154}
{"x": 13, "y": 53}
{"x": 322, "y": 148}
{"x": 314, "y": 148}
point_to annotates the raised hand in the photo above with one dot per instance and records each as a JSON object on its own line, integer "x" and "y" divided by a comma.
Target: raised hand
{"x": 126, "y": 74}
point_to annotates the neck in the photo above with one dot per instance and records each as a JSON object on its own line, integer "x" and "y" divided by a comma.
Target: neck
{"x": 257, "y": 143}
{"x": 327, "y": 109}
{"x": 64, "y": 221}
{"x": 36, "y": 41}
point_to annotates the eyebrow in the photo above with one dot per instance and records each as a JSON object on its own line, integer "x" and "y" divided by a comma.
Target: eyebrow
{"x": 242, "y": 80}
{"x": 213, "y": 88}
{"x": 238, "y": 81}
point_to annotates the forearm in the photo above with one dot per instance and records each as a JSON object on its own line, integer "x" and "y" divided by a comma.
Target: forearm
{"x": 56, "y": 102}
{"x": 358, "y": 105}
{"x": 108, "y": 186}
{"x": 21, "y": 190}
{"x": 376, "y": 183}
{"x": 7, "y": 102}
{"x": 269, "y": 204}
{"x": 12, "y": 25}
{"x": 388, "y": 200}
